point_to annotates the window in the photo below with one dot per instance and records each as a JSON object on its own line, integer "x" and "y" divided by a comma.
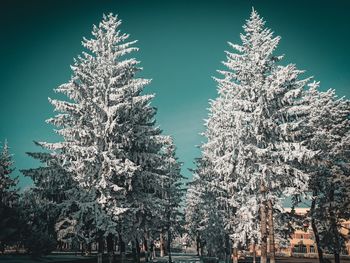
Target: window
{"x": 299, "y": 248}
{"x": 312, "y": 249}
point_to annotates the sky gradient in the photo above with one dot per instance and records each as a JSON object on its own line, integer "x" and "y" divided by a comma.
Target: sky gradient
{"x": 181, "y": 45}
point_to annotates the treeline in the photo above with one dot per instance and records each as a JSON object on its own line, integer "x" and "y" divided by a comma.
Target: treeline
{"x": 271, "y": 134}
{"x": 113, "y": 176}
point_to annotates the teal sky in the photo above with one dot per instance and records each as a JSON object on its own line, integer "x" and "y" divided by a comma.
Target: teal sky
{"x": 181, "y": 46}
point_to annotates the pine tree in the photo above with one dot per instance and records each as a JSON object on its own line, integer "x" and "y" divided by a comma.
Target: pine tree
{"x": 97, "y": 122}
{"x": 8, "y": 190}
{"x": 41, "y": 203}
{"x": 50, "y": 179}
{"x": 71, "y": 213}
{"x": 8, "y": 199}
{"x": 194, "y": 211}
{"x": 215, "y": 190}
{"x": 82, "y": 220}
{"x": 258, "y": 151}
{"x": 39, "y": 217}
{"x": 111, "y": 147}
{"x": 329, "y": 132}
{"x": 266, "y": 101}
{"x": 206, "y": 211}
{"x": 171, "y": 197}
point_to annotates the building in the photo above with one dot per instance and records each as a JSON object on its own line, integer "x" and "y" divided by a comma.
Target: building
{"x": 345, "y": 230}
{"x": 303, "y": 240}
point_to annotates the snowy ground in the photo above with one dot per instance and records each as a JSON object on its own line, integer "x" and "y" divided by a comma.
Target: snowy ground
{"x": 192, "y": 258}
{"x": 180, "y": 258}
{"x": 291, "y": 260}
{"x": 47, "y": 259}
{"x": 176, "y": 257}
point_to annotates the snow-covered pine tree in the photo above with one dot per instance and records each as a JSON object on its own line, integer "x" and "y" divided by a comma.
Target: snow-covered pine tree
{"x": 8, "y": 199}
{"x": 329, "y": 130}
{"x": 50, "y": 179}
{"x": 172, "y": 194}
{"x": 96, "y": 122}
{"x": 42, "y": 202}
{"x": 262, "y": 148}
{"x": 217, "y": 165}
{"x": 205, "y": 211}
{"x": 212, "y": 183}
{"x": 82, "y": 220}
{"x": 8, "y": 183}
{"x": 111, "y": 145}
{"x": 156, "y": 196}
{"x": 213, "y": 232}
{"x": 38, "y": 217}
{"x": 70, "y": 210}
{"x": 194, "y": 212}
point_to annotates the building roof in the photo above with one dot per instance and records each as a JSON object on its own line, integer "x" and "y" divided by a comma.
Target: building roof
{"x": 298, "y": 210}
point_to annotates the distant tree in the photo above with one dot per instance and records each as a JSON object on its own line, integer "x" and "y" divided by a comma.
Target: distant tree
{"x": 70, "y": 213}
{"x": 213, "y": 184}
{"x": 205, "y": 214}
{"x": 171, "y": 196}
{"x": 194, "y": 211}
{"x": 38, "y": 216}
{"x": 9, "y": 217}
{"x": 50, "y": 179}
{"x": 8, "y": 183}
{"x": 217, "y": 183}
{"x": 41, "y": 204}
{"x": 82, "y": 220}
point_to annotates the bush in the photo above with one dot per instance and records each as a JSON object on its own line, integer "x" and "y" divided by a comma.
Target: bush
{"x": 39, "y": 243}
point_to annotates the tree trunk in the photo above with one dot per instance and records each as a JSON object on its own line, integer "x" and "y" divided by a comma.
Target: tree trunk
{"x": 201, "y": 245}
{"x": 152, "y": 250}
{"x": 336, "y": 257}
{"x": 263, "y": 226}
{"x": 314, "y": 228}
{"x": 87, "y": 249}
{"x": 110, "y": 248}
{"x": 254, "y": 253}
{"x": 169, "y": 246}
{"x": 227, "y": 250}
{"x": 336, "y": 242}
{"x": 138, "y": 251}
{"x": 235, "y": 255}
{"x": 122, "y": 248}
{"x": 162, "y": 254}
{"x": 145, "y": 246}
{"x": 198, "y": 240}
{"x": 100, "y": 249}
{"x": 334, "y": 228}
{"x": 271, "y": 232}
{"x": 134, "y": 250}
{"x": 60, "y": 246}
